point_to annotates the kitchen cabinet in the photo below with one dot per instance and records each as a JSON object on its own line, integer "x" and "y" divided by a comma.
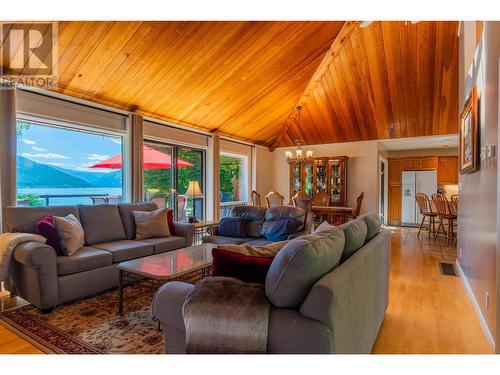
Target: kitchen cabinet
{"x": 448, "y": 170}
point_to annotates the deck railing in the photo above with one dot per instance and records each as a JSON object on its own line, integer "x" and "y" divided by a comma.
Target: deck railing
{"x": 96, "y": 198}
{"x": 225, "y": 207}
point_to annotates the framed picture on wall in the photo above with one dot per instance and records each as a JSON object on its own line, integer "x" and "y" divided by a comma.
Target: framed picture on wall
{"x": 469, "y": 134}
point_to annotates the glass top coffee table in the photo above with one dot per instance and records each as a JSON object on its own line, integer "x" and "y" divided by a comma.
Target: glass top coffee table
{"x": 181, "y": 264}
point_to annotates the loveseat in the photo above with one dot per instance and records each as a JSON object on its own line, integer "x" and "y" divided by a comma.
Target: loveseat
{"x": 41, "y": 277}
{"x": 258, "y": 221}
{"x": 341, "y": 312}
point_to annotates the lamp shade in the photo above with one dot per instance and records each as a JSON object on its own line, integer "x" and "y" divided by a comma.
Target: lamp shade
{"x": 194, "y": 189}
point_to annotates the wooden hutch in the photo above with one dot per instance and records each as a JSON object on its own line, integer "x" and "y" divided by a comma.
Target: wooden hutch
{"x": 322, "y": 174}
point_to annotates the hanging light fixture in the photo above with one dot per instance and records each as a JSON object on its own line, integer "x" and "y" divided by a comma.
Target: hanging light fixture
{"x": 299, "y": 156}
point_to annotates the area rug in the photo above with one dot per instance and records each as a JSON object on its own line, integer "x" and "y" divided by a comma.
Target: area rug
{"x": 93, "y": 326}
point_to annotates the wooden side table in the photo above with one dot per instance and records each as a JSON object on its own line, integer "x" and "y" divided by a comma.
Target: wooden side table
{"x": 201, "y": 229}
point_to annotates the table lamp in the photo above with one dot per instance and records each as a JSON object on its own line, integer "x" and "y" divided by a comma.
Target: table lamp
{"x": 194, "y": 191}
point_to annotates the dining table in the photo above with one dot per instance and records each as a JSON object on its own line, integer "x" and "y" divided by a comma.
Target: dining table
{"x": 332, "y": 212}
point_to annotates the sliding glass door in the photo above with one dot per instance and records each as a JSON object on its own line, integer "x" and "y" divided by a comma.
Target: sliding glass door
{"x": 174, "y": 178}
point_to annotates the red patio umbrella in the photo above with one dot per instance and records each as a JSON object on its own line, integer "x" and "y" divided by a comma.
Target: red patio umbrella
{"x": 152, "y": 159}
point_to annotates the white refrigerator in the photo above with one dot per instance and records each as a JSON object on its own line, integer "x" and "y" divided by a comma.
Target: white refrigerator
{"x": 415, "y": 182}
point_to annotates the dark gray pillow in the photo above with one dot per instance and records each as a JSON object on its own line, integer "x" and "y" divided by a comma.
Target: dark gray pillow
{"x": 300, "y": 264}
{"x": 355, "y": 234}
{"x": 127, "y": 217}
{"x": 101, "y": 223}
{"x": 373, "y": 224}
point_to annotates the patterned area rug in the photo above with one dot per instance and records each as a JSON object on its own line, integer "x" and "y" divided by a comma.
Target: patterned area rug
{"x": 93, "y": 326}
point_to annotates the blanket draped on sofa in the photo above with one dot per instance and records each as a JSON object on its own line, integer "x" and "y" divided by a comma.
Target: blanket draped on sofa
{"x": 225, "y": 315}
{"x": 8, "y": 242}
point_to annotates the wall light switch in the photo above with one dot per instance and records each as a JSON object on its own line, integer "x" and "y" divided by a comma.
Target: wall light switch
{"x": 483, "y": 153}
{"x": 487, "y": 300}
{"x": 491, "y": 151}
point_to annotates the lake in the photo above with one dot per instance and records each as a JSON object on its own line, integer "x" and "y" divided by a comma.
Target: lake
{"x": 71, "y": 191}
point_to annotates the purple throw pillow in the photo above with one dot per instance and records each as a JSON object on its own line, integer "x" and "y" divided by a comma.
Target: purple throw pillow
{"x": 232, "y": 227}
{"x": 46, "y": 227}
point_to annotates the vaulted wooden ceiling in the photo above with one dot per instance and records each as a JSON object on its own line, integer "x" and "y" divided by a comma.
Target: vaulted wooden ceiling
{"x": 389, "y": 80}
{"x": 241, "y": 79}
{"x": 244, "y": 79}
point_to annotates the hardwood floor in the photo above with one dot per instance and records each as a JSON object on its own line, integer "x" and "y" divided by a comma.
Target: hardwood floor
{"x": 429, "y": 313}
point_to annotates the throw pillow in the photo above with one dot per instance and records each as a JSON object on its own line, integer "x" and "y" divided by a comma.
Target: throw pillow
{"x": 300, "y": 264}
{"x": 151, "y": 224}
{"x": 355, "y": 234}
{"x": 70, "y": 232}
{"x": 231, "y": 227}
{"x": 170, "y": 220}
{"x": 281, "y": 229}
{"x": 249, "y": 269}
{"x": 46, "y": 227}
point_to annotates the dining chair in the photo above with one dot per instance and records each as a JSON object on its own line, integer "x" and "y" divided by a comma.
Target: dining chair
{"x": 454, "y": 203}
{"x": 274, "y": 199}
{"x": 426, "y": 210}
{"x": 354, "y": 214}
{"x": 444, "y": 213}
{"x": 302, "y": 199}
{"x": 255, "y": 197}
{"x": 320, "y": 199}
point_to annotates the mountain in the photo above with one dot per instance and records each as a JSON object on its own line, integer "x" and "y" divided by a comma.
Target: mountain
{"x": 97, "y": 179}
{"x": 34, "y": 175}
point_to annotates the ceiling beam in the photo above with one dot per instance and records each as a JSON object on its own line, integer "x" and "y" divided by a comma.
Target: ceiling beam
{"x": 337, "y": 44}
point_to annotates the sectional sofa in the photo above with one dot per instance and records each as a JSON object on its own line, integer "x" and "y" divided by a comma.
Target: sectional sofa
{"x": 340, "y": 312}
{"x": 41, "y": 277}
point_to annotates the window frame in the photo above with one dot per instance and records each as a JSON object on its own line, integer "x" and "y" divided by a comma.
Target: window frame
{"x": 247, "y": 173}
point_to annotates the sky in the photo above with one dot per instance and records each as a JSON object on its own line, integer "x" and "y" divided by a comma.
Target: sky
{"x": 65, "y": 148}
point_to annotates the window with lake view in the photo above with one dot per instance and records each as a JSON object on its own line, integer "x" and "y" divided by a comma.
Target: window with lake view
{"x": 59, "y": 166}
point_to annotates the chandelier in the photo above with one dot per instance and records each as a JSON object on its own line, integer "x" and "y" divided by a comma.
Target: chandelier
{"x": 299, "y": 156}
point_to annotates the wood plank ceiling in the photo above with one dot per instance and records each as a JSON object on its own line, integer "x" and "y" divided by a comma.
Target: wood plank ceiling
{"x": 244, "y": 79}
{"x": 240, "y": 79}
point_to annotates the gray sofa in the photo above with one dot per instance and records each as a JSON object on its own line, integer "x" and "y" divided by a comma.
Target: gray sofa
{"x": 41, "y": 277}
{"x": 258, "y": 220}
{"x": 341, "y": 313}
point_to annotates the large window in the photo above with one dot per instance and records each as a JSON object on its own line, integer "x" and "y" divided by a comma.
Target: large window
{"x": 174, "y": 178}
{"x": 59, "y": 166}
{"x": 233, "y": 181}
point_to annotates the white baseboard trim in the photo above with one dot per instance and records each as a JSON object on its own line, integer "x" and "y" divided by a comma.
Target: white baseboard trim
{"x": 479, "y": 314}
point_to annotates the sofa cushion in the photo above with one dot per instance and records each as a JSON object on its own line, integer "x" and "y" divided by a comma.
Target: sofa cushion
{"x": 325, "y": 226}
{"x": 253, "y": 217}
{"x": 226, "y": 240}
{"x": 128, "y": 221}
{"x": 126, "y": 249}
{"x": 162, "y": 245}
{"x": 24, "y": 219}
{"x": 282, "y": 228}
{"x": 87, "y": 258}
{"x": 373, "y": 225}
{"x": 279, "y": 213}
{"x": 300, "y": 264}
{"x": 232, "y": 227}
{"x": 249, "y": 269}
{"x": 151, "y": 224}
{"x": 101, "y": 223}
{"x": 46, "y": 227}
{"x": 355, "y": 234}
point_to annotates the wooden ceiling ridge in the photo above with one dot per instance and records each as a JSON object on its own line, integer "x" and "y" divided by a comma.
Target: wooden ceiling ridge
{"x": 334, "y": 49}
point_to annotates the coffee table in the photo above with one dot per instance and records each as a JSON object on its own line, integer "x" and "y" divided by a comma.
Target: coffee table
{"x": 183, "y": 264}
